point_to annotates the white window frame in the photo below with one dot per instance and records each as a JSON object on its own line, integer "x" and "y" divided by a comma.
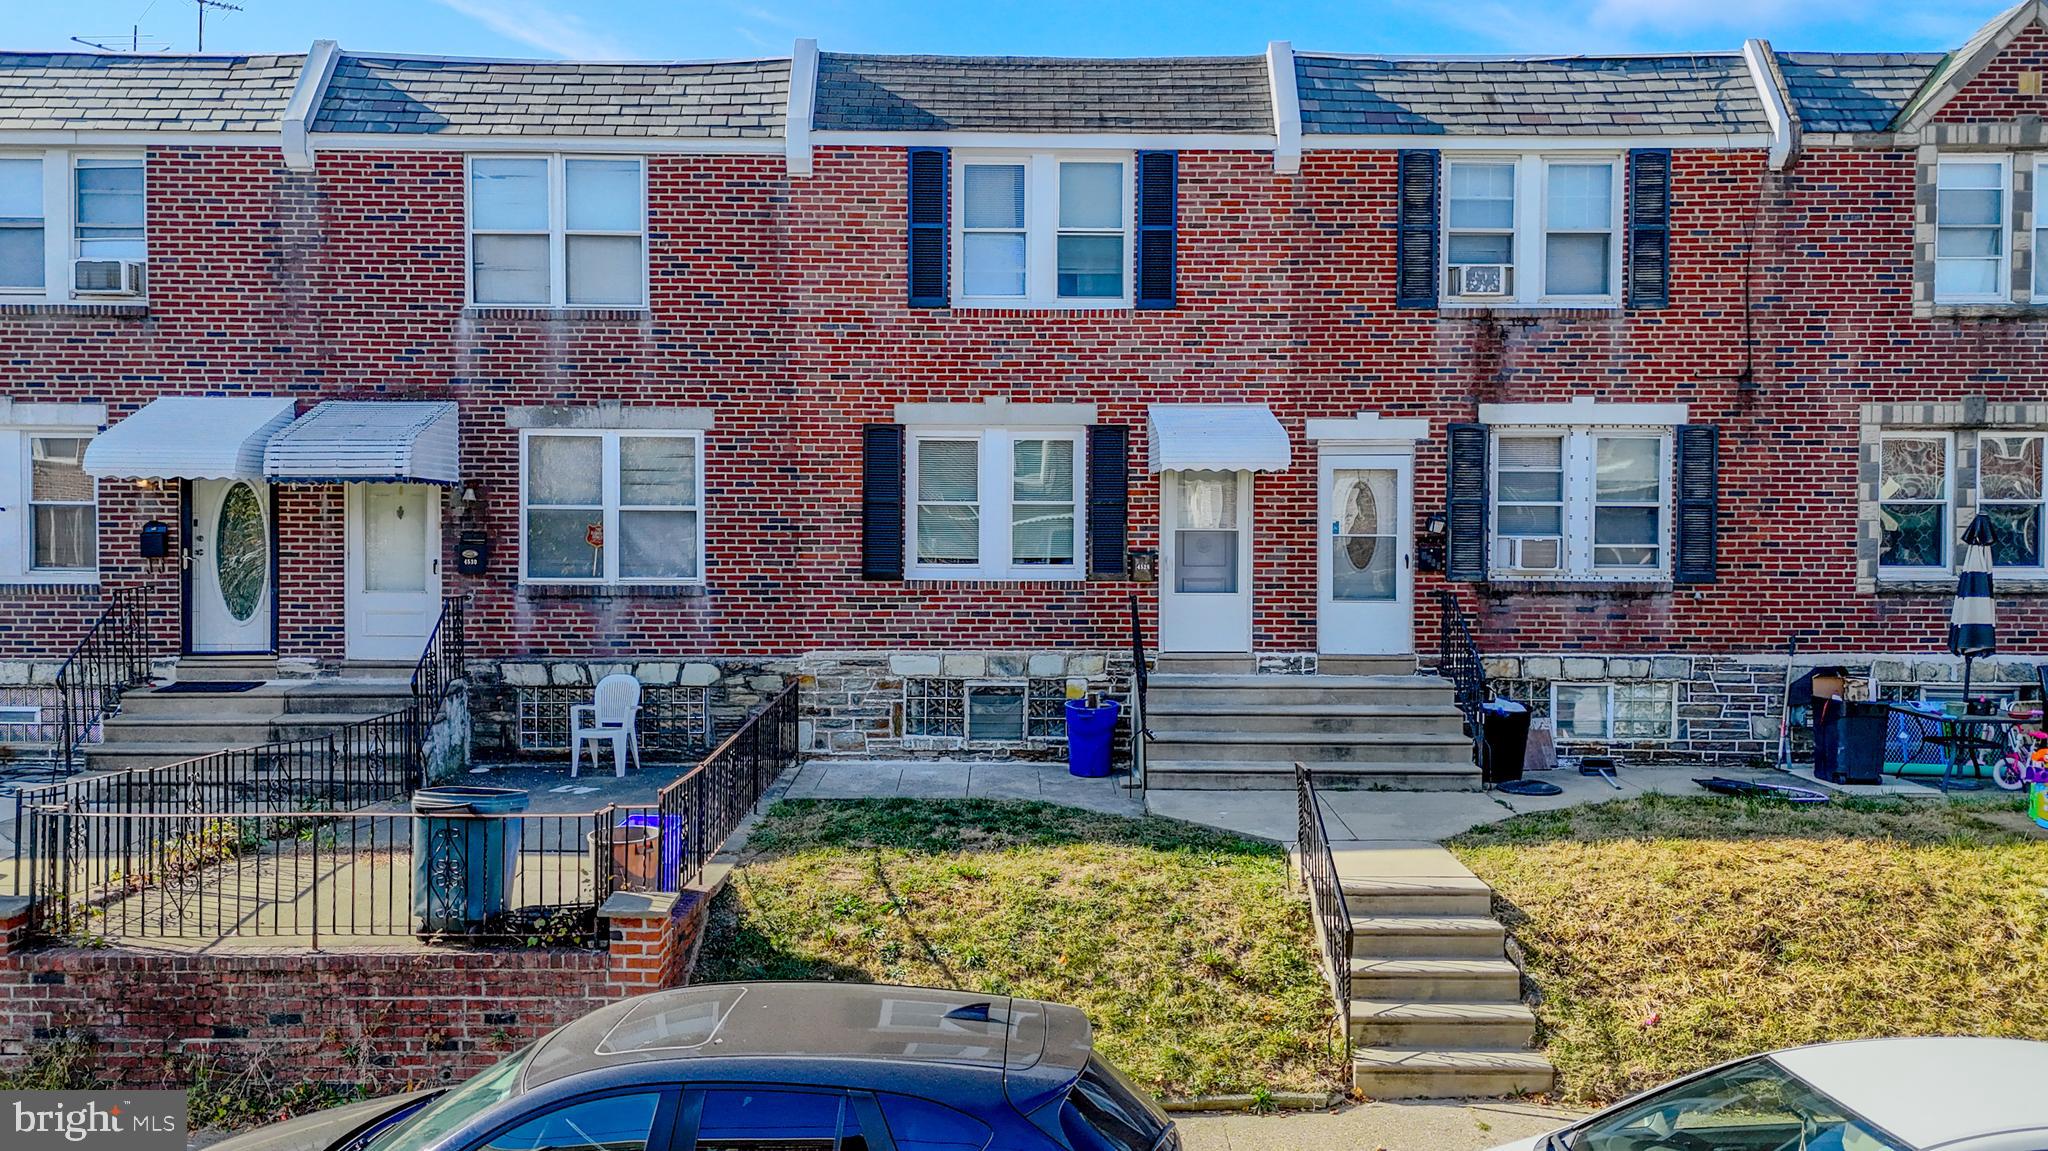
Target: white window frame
{"x": 60, "y": 224}
{"x": 1042, "y": 229}
{"x": 1611, "y": 694}
{"x": 2038, "y": 241}
{"x": 558, "y": 231}
{"x": 996, "y": 487}
{"x": 1581, "y": 498}
{"x": 610, "y": 507}
{"x": 2040, "y": 501}
{"x": 2002, "y": 278}
{"x": 17, "y": 511}
{"x": 1532, "y": 217}
{"x": 1950, "y": 530}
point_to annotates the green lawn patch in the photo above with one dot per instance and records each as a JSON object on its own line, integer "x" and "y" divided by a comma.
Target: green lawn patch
{"x": 1195, "y": 964}
{"x": 1669, "y": 933}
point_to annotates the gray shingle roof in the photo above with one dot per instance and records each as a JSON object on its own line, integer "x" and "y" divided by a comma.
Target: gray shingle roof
{"x": 48, "y": 91}
{"x": 733, "y": 100}
{"x": 1577, "y": 96}
{"x": 1026, "y": 94}
{"x": 1853, "y": 91}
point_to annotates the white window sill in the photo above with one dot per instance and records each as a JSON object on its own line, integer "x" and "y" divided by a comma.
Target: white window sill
{"x": 62, "y": 579}
{"x": 677, "y": 590}
{"x": 1019, "y": 305}
{"x": 555, "y": 311}
{"x": 39, "y": 306}
{"x": 1509, "y": 308}
{"x": 1648, "y": 581}
{"x": 976, "y": 575}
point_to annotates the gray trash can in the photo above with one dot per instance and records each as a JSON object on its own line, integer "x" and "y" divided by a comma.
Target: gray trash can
{"x": 461, "y": 865}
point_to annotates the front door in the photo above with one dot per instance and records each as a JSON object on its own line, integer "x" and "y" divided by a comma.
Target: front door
{"x": 1205, "y": 561}
{"x": 394, "y": 569}
{"x": 229, "y": 593}
{"x": 1365, "y": 587}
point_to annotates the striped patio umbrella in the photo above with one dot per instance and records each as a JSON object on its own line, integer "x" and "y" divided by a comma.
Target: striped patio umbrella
{"x": 1973, "y": 622}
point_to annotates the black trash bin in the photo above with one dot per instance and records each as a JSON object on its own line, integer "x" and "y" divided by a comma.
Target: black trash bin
{"x": 1860, "y": 742}
{"x": 1507, "y": 739}
{"x": 1827, "y": 713}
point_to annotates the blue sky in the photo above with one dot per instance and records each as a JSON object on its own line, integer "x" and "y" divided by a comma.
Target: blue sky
{"x": 697, "y": 29}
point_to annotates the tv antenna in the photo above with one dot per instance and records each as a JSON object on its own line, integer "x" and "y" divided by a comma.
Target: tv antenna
{"x": 223, "y": 5}
{"x": 135, "y": 38}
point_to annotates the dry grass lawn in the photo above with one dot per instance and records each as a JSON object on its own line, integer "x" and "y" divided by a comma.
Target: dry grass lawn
{"x": 1183, "y": 945}
{"x": 1666, "y": 934}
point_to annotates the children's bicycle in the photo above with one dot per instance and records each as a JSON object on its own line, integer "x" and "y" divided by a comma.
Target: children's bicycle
{"x": 2025, "y": 758}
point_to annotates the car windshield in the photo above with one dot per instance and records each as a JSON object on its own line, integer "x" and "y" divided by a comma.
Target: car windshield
{"x": 454, "y": 1109}
{"x": 1753, "y": 1106}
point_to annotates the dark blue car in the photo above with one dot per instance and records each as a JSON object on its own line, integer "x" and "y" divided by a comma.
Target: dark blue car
{"x": 773, "y": 1067}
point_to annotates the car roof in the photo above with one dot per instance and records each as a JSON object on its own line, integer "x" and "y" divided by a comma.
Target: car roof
{"x": 872, "y": 1025}
{"x": 1930, "y": 1091}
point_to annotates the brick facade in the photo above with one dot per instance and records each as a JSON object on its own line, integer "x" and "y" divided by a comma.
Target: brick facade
{"x": 778, "y": 305}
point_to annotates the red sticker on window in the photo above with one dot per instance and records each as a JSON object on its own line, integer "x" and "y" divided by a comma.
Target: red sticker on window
{"x": 594, "y": 535}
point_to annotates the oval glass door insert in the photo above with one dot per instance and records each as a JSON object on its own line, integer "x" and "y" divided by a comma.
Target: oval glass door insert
{"x": 241, "y": 552}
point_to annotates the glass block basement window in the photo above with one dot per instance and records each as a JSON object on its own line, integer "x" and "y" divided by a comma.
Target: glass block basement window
{"x": 986, "y": 711}
{"x": 673, "y": 719}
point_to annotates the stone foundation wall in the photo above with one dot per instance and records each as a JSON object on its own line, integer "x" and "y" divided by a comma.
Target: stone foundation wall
{"x": 854, "y": 703}
{"x": 733, "y": 688}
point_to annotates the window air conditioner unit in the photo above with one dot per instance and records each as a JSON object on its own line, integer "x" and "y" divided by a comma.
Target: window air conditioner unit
{"x": 106, "y": 277}
{"x": 1482, "y": 279}
{"x": 1532, "y": 553}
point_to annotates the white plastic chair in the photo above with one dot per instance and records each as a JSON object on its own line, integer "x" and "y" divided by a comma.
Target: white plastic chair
{"x": 614, "y": 714}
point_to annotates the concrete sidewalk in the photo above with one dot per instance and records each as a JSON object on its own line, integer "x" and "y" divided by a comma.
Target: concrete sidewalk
{"x": 1461, "y": 1126}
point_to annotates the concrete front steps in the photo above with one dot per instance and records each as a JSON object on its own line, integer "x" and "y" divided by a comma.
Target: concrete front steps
{"x": 1436, "y": 1010}
{"x": 1226, "y": 729}
{"x": 156, "y": 728}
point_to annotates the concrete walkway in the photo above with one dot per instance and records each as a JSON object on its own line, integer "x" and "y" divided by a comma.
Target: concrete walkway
{"x": 960, "y": 779}
{"x": 1472, "y": 1126}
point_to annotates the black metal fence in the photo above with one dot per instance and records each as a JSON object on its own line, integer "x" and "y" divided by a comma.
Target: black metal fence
{"x": 113, "y": 657}
{"x": 1458, "y": 660}
{"x": 441, "y": 664}
{"x": 1326, "y": 892}
{"x": 698, "y": 812}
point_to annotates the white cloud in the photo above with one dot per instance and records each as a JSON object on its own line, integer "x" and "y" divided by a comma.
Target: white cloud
{"x": 536, "y": 25}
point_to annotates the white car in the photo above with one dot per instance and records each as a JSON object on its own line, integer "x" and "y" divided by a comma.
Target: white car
{"x": 1869, "y": 1095}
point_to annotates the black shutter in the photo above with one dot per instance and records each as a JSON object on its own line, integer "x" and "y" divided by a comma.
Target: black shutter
{"x": 929, "y": 173}
{"x": 1415, "y": 240}
{"x": 1465, "y": 514}
{"x": 1699, "y": 474}
{"x": 1109, "y": 496}
{"x": 1158, "y": 218}
{"x": 881, "y": 501}
{"x": 1649, "y": 228}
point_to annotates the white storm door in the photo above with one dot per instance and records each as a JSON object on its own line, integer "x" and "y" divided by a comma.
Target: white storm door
{"x": 1365, "y": 586}
{"x": 394, "y": 569}
{"x": 229, "y": 590}
{"x": 1205, "y": 585}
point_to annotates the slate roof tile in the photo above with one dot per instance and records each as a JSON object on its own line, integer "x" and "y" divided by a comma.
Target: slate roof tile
{"x": 1853, "y": 91}
{"x": 94, "y": 91}
{"x": 1033, "y": 94}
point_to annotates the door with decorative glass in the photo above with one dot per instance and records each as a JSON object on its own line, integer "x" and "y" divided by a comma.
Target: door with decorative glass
{"x": 1205, "y": 586}
{"x": 394, "y": 569}
{"x": 229, "y": 586}
{"x": 1365, "y": 588}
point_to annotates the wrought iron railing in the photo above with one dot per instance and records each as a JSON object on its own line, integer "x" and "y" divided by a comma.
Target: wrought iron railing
{"x": 1458, "y": 660}
{"x": 1326, "y": 893}
{"x": 1141, "y": 678}
{"x": 113, "y": 657}
{"x": 441, "y": 664}
{"x": 698, "y": 812}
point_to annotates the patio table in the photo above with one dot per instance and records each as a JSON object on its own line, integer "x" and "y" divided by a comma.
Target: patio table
{"x": 1962, "y": 737}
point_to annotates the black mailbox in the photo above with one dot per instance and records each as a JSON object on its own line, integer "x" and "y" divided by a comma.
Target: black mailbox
{"x": 156, "y": 540}
{"x": 472, "y": 553}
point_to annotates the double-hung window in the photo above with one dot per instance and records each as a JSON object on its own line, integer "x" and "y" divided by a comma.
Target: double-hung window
{"x": 2040, "y": 230}
{"x": 613, "y": 507}
{"x": 1914, "y": 490}
{"x": 1043, "y": 230}
{"x": 1582, "y": 502}
{"x": 557, "y": 231}
{"x": 2011, "y": 494}
{"x": 1532, "y": 229}
{"x": 1972, "y": 229}
{"x": 72, "y": 225}
{"x": 995, "y": 504}
{"x": 49, "y": 516}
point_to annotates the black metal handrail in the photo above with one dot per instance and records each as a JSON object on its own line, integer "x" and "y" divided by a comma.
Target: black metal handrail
{"x": 1326, "y": 892}
{"x": 113, "y": 657}
{"x": 442, "y": 662}
{"x": 1458, "y": 660}
{"x": 1141, "y": 678}
{"x": 698, "y": 812}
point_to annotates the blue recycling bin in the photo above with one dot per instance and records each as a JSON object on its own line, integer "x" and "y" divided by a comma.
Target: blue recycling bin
{"x": 462, "y": 866}
{"x": 1090, "y": 731}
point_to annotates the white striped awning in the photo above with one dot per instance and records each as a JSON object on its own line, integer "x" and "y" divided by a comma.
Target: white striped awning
{"x": 1216, "y": 437}
{"x": 190, "y": 438}
{"x": 399, "y": 441}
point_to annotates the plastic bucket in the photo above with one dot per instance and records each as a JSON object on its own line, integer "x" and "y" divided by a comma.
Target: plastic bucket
{"x": 636, "y": 857}
{"x": 672, "y": 840}
{"x": 1090, "y": 731}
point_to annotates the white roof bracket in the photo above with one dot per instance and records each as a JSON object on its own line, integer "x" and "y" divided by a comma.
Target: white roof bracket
{"x": 305, "y": 104}
{"x": 1280, "y": 83}
{"x": 1763, "y": 72}
{"x": 803, "y": 98}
